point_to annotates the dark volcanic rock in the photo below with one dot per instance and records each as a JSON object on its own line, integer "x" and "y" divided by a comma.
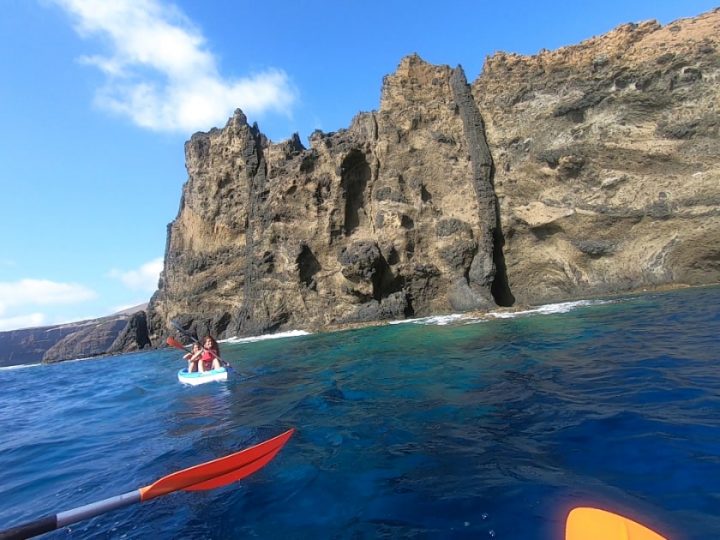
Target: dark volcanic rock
{"x": 133, "y": 337}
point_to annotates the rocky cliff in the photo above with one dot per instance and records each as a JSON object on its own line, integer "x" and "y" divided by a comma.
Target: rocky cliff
{"x": 122, "y": 332}
{"x": 588, "y": 170}
{"x": 393, "y": 217}
{"x": 607, "y": 160}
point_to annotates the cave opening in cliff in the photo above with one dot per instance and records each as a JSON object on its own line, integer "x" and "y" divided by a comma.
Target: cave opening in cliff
{"x": 500, "y": 288}
{"x": 384, "y": 280}
{"x": 355, "y": 174}
{"x": 308, "y": 266}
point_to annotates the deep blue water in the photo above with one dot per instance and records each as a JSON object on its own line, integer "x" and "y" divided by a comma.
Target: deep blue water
{"x": 473, "y": 429}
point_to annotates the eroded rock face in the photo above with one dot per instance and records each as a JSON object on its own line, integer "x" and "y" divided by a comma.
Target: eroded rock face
{"x": 607, "y": 160}
{"x": 392, "y": 217}
{"x": 591, "y": 169}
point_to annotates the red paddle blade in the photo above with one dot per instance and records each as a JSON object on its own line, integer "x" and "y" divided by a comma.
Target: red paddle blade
{"x": 218, "y": 472}
{"x": 175, "y": 343}
{"x": 235, "y": 475}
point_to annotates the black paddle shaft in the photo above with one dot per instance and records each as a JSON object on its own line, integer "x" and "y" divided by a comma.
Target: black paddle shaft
{"x": 50, "y": 523}
{"x": 39, "y": 526}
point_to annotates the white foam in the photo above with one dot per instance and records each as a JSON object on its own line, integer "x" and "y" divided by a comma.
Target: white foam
{"x": 474, "y": 320}
{"x": 444, "y": 320}
{"x": 548, "y": 309}
{"x": 436, "y": 320}
{"x": 82, "y": 359}
{"x": 564, "y": 307}
{"x": 279, "y": 335}
{"x": 20, "y": 366}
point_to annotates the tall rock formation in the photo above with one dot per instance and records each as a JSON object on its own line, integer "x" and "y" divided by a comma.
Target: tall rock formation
{"x": 597, "y": 171}
{"x": 395, "y": 216}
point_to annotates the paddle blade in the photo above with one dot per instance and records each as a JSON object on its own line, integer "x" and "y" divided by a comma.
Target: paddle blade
{"x": 235, "y": 475}
{"x": 594, "y": 524}
{"x": 218, "y": 472}
{"x": 175, "y": 343}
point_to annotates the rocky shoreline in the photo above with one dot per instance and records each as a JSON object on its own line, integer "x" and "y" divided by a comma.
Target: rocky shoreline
{"x": 491, "y": 315}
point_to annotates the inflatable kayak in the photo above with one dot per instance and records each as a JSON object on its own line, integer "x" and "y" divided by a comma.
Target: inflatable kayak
{"x": 197, "y": 377}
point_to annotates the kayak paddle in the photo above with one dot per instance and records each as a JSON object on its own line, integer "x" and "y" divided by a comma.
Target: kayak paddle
{"x": 175, "y": 343}
{"x": 584, "y": 523}
{"x": 209, "y": 475}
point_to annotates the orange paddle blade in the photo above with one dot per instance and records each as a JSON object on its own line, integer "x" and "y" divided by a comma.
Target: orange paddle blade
{"x": 175, "y": 343}
{"x": 237, "y": 474}
{"x": 218, "y": 472}
{"x": 595, "y": 524}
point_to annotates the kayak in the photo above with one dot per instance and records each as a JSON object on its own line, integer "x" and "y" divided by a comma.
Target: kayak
{"x": 197, "y": 377}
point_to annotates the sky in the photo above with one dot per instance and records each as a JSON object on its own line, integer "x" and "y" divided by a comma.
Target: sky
{"x": 97, "y": 99}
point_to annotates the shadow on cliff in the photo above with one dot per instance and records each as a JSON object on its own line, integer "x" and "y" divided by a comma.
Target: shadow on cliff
{"x": 500, "y": 288}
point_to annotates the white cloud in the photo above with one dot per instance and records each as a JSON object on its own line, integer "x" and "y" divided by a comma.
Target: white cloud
{"x": 144, "y": 278}
{"x": 41, "y": 292}
{"x": 160, "y": 72}
{"x": 22, "y": 321}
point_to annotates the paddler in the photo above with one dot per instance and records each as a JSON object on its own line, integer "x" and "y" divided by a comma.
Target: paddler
{"x": 210, "y": 358}
{"x": 193, "y": 357}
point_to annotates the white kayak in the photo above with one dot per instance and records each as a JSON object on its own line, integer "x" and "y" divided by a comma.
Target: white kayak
{"x": 197, "y": 377}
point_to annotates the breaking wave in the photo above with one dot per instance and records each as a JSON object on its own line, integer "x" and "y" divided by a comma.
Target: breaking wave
{"x": 466, "y": 318}
{"x": 20, "y": 366}
{"x": 279, "y": 335}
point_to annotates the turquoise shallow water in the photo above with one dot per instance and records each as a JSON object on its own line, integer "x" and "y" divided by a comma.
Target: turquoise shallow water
{"x": 472, "y": 429}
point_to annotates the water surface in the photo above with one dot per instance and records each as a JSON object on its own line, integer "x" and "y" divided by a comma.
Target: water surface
{"x": 438, "y": 428}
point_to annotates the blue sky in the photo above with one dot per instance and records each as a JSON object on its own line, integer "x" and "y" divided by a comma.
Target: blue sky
{"x": 98, "y": 97}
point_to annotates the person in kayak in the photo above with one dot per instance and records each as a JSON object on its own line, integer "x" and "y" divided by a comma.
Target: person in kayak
{"x": 210, "y": 358}
{"x": 193, "y": 357}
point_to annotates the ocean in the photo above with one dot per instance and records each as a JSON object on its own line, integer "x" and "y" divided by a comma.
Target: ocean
{"x": 445, "y": 427}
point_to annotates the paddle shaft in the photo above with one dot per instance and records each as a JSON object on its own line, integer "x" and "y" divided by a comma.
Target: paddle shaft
{"x": 61, "y": 519}
{"x": 210, "y": 475}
